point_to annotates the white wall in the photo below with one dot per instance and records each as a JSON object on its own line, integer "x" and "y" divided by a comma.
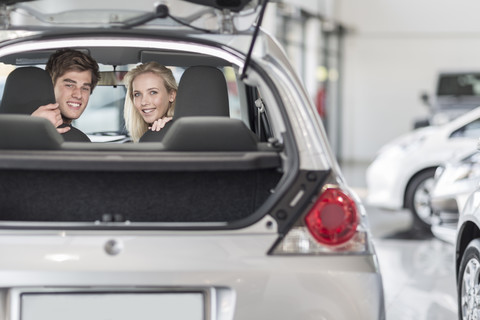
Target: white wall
{"x": 393, "y": 52}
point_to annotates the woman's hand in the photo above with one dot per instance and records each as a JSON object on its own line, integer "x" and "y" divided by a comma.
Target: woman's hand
{"x": 159, "y": 124}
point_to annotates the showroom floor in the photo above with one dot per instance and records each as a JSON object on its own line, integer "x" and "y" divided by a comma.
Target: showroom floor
{"x": 418, "y": 269}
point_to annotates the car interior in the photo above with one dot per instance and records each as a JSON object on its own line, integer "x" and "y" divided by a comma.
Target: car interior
{"x": 216, "y": 152}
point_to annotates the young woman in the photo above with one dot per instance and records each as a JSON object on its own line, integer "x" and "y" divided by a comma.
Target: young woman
{"x": 150, "y": 100}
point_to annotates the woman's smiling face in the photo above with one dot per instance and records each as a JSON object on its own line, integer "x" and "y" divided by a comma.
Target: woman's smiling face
{"x": 150, "y": 96}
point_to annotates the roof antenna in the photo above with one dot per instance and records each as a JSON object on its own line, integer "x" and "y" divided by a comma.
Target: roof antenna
{"x": 255, "y": 34}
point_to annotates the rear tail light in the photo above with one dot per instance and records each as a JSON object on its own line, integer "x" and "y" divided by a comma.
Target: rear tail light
{"x": 332, "y": 226}
{"x": 333, "y": 219}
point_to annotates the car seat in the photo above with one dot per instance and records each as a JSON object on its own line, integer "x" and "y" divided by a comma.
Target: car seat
{"x": 28, "y": 88}
{"x": 210, "y": 134}
{"x": 23, "y": 132}
{"x": 202, "y": 91}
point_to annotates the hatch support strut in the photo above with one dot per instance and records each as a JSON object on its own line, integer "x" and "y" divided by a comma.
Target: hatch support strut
{"x": 254, "y": 38}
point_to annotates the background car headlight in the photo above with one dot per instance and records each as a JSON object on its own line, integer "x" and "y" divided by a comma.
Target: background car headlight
{"x": 469, "y": 168}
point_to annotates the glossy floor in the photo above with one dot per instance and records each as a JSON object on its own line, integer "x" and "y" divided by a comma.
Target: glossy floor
{"x": 418, "y": 269}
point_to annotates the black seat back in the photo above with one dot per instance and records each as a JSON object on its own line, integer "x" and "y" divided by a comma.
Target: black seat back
{"x": 23, "y": 132}
{"x": 202, "y": 91}
{"x": 209, "y": 134}
{"x": 26, "y": 89}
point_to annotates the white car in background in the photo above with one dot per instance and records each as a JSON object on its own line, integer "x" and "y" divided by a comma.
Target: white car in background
{"x": 402, "y": 174}
{"x": 456, "y": 92}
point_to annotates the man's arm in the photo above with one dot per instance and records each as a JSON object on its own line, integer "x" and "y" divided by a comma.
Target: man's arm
{"x": 51, "y": 112}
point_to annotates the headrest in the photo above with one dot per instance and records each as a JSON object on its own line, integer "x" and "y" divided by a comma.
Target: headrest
{"x": 24, "y": 132}
{"x": 209, "y": 134}
{"x": 26, "y": 89}
{"x": 202, "y": 91}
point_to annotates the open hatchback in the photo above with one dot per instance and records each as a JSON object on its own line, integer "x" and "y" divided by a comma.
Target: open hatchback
{"x": 242, "y": 214}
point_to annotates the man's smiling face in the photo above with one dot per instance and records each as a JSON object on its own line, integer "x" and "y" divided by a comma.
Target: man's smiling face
{"x": 72, "y": 91}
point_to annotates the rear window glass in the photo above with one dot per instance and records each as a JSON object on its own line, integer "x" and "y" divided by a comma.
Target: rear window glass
{"x": 104, "y": 113}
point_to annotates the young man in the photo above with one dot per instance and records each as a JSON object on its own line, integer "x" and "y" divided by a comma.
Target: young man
{"x": 74, "y": 75}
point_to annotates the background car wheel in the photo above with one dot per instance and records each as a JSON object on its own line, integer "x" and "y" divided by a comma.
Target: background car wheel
{"x": 418, "y": 198}
{"x": 469, "y": 282}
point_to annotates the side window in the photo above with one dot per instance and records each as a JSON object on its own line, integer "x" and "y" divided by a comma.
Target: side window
{"x": 233, "y": 94}
{"x": 471, "y": 130}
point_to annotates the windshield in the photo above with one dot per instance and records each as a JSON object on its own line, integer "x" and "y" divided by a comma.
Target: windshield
{"x": 464, "y": 84}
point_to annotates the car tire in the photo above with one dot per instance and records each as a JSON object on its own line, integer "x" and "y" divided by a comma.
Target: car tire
{"x": 469, "y": 282}
{"x": 418, "y": 198}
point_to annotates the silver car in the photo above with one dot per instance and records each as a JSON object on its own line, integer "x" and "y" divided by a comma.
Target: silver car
{"x": 455, "y": 180}
{"x": 467, "y": 245}
{"x": 245, "y": 216}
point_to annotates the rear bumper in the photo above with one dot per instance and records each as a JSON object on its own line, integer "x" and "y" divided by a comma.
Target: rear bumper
{"x": 260, "y": 286}
{"x": 266, "y": 294}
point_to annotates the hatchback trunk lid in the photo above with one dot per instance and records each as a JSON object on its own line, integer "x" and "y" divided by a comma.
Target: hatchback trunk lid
{"x": 205, "y": 15}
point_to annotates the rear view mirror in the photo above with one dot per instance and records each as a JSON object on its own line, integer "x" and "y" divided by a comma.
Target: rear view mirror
{"x": 111, "y": 78}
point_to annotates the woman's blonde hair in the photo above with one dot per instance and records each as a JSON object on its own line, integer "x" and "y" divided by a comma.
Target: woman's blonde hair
{"x": 134, "y": 122}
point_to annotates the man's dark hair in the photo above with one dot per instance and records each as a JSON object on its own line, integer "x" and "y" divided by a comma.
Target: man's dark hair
{"x": 65, "y": 60}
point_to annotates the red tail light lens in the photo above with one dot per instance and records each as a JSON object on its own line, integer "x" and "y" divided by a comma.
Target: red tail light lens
{"x": 333, "y": 219}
